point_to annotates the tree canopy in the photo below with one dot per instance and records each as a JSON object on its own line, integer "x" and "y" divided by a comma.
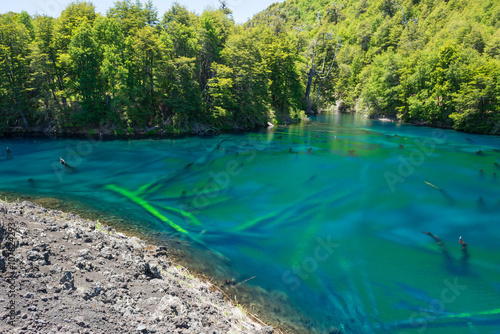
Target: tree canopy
{"x": 134, "y": 68}
{"x": 424, "y": 61}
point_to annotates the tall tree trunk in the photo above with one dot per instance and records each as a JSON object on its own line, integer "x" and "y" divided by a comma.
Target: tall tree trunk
{"x": 58, "y": 77}
{"x": 19, "y": 107}
{"x": 25, "y": 121}
{"x": 308, "y": 89}
{"x": 309, "y": 82}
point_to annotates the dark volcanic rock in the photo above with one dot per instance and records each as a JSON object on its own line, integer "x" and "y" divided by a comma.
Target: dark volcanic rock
{"x": 73, "y": 278}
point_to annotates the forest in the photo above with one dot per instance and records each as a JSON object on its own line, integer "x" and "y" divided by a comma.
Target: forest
{"x": 426, "y": 62}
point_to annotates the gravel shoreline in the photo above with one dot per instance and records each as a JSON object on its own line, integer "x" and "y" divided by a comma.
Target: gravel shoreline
{"x": 72, "y": 275}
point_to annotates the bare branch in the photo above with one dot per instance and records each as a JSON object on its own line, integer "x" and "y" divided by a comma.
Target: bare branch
{"x": 339, "y": 44}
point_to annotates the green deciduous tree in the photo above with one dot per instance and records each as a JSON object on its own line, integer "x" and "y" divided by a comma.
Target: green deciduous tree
{"x": 16, "y": 97}
{"x": 181, "y": 25}
{"x": 239, "y": 89}
{"x": 86, "y": 58}
{"x": 286, "y": 88}
{"x": 108, "y": 34}
{"x": 380, "y": 94}
{"x": 215, "y": 28}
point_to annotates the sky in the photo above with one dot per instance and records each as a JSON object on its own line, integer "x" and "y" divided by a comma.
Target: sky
{"x": 242, "y": 9}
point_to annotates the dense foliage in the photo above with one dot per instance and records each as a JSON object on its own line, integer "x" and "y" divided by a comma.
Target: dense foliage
{"x": 435, "y": 62}
{"x": 132, "y": 69}
{"x": 424, "y": 61}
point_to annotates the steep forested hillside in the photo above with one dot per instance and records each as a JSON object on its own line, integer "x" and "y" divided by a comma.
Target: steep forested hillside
{"x": 430, "y": 61}
{"x": 433, "y": 62}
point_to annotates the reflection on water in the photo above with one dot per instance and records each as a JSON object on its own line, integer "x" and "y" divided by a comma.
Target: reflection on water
{"x": 328, "y": 215}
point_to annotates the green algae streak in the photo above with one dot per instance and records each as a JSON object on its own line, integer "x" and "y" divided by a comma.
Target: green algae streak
{"x": 145, "y": 205}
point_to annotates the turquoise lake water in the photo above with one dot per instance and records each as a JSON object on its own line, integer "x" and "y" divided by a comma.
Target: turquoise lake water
{"x": 327, "y": 214}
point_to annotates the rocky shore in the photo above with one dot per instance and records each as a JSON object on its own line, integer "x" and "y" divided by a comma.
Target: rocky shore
{"x": 60, "y": 273}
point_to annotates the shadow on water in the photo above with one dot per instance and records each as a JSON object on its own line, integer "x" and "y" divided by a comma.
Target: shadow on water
{"x": 316, "y": 227}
